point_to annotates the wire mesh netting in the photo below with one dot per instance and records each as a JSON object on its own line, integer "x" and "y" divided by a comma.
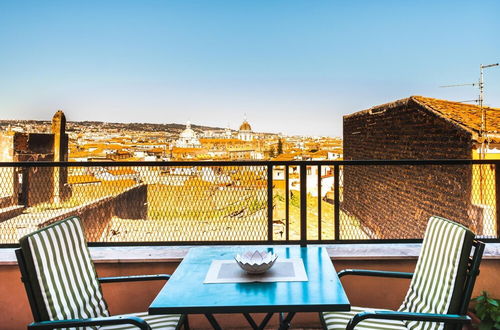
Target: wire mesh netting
{"x": 140, "y": 204}
{"x": 229, "y": 203}
{"x": 396, "y": 201}
{"x": 384, "y": 201}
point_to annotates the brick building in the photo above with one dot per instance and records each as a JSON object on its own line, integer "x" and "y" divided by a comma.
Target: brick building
{"x": 396, "y": 201}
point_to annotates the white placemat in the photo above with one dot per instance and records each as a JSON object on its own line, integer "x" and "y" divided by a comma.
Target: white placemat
{"x": 283, "y": 270}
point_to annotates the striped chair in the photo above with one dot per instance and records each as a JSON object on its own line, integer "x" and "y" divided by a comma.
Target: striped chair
{"x": 63, "y": 288}
{"x": 440, "y": 288}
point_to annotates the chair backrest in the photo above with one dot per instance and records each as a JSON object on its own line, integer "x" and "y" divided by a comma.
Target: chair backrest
{"x": 58, "y": 273}
{"x": 439, "y": 281}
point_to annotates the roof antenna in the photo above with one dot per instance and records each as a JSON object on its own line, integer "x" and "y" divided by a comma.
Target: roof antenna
{"x": 483, "y": 132}
{"x": 460, "y": 85}
{"x": 481, "y": 98}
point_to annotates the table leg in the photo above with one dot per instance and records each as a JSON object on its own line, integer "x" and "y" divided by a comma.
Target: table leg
{"x": 265, "y": 320}
{"x": 254, "y": 325}
{"x": 185, "y": 323}
{"x": 285, "y": 322}
{"x": 213, "y": 321}
{"x": 251, "y": 321}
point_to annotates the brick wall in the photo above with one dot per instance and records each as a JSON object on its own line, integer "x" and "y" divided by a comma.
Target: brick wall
{"x": 396, "y": 201}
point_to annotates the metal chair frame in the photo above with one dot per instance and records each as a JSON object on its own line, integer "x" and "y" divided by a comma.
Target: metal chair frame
{"x": 455, "y": 320}
{"x": 41, "y": 323}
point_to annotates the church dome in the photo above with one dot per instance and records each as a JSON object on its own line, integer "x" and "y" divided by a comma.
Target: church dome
{"x": 188, "y": 132}
{"x": 245, "y": 126}
{"x": 245, "y": 131}
{"x": 188, "y": 138}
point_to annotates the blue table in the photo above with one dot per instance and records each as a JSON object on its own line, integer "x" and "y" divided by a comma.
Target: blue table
{"x": 185, "y": 292}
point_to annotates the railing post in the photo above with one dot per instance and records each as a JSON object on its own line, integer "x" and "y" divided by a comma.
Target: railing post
{"x": 336, "y": 201}
{"x": 497, "y": 198}
{"x": 303, "y": 205}
{"x": 270, "y": 202}
{"x": 23, "y": 178}
{"x": 287, "y": 202}
{"x": 319, "y": 202}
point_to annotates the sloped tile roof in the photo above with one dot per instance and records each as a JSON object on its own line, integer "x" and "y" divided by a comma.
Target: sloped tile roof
{"x": 466, "y": 115}
{"x": 462, "y": 115}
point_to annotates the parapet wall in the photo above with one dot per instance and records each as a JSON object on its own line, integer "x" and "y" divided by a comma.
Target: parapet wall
{"x": 372, "y": 292}
{"x": 96, "y": 215}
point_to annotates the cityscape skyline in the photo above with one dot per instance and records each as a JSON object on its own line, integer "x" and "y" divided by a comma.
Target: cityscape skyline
{"x": 293, "y": 67}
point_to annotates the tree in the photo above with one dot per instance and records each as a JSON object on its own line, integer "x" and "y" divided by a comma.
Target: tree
{"x": 280, "y": 147}
{"x": 272, "y": 152}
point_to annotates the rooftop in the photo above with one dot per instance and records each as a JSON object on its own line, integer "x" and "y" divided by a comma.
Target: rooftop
{"x": 466, "y": 115}
{"x": 463, "y": 115}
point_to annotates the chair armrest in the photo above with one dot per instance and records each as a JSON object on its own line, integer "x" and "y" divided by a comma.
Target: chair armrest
{"x": 401, "y": 316}
{"x": 376, "y": 273}
{"x": 112, "y": 320}
{"x": 134, "y": 278}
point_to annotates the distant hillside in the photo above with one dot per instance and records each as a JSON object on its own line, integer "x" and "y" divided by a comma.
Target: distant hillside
{"x": 84, "y": 125}
{"x": 141, "y": 127}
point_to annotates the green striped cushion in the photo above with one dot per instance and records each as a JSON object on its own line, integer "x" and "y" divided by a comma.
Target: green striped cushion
{"x": 339, "y": 320}
{"x": 438, "y": 279}
{"x": 65, "y": 272}
{"x": 163, "y": 322}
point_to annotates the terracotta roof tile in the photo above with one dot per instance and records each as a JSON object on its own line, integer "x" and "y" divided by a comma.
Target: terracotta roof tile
{"x": 284, "y": 157}
{"x": 74, "y": 179}
{"x": 465, "y": 115}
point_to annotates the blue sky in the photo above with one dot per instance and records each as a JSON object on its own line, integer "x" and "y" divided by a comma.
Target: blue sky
{"x": 291, "y": 66}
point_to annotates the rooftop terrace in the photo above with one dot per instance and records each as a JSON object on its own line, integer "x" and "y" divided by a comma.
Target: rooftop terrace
{"x": 143, "y": 217}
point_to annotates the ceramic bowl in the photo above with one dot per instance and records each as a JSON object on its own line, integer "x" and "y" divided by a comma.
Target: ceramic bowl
{"x": 256, "y": 262}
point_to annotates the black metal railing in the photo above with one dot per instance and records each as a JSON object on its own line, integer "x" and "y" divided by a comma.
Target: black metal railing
{"x": 249, "y": 202}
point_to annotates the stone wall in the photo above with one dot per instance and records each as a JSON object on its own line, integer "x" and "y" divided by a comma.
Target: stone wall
{"x": 33, "y": 185}
{"x": 8, "y": 191}
{"x": 396, "y": 201}
{"x": 96, "y": 215}
{"x": 6, "y": 147}
{"x": 33, "y": 147}
{"x": 8, "y": 178}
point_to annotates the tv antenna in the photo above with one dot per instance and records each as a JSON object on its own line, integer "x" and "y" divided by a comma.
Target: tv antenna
{"x": 461, "y": 85}
{"x": 480, "y": 84}
{"x": 481, "y": 87}
{"x": 483, "y": 130}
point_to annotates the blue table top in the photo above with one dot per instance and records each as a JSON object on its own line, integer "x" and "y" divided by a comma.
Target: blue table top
{"x": 185, "y": 291}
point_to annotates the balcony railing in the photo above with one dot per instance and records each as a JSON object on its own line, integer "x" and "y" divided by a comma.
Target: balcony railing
{"x": 249, "y": 202}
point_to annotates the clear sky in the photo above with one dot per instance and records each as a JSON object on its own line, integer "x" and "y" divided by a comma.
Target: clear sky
{"x": 291, "y": 66}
